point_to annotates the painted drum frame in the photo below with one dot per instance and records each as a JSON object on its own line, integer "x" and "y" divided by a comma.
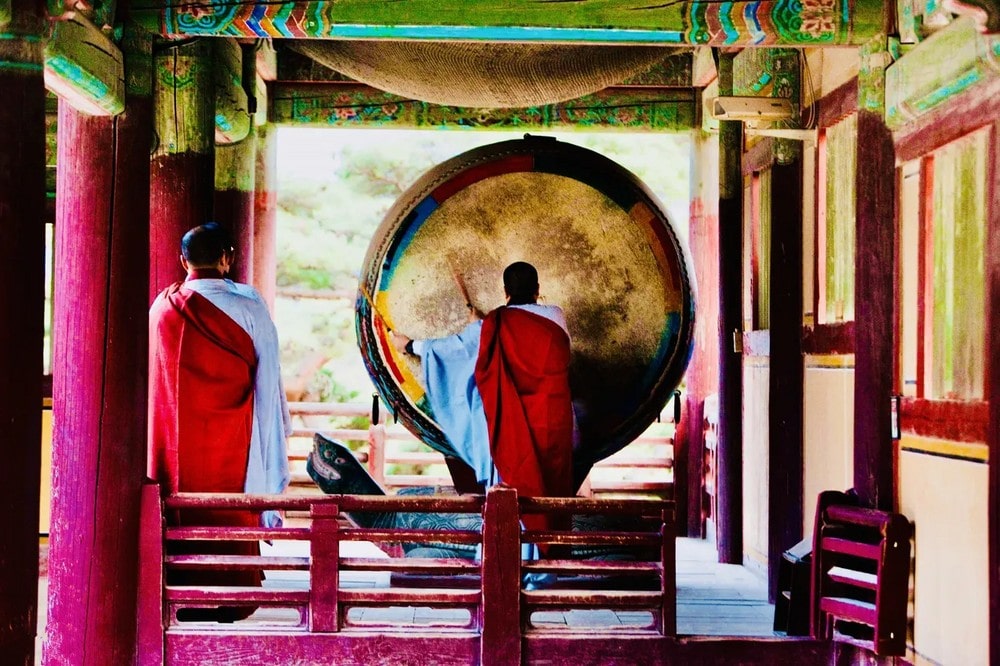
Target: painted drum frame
{"x": 390, "y": 371}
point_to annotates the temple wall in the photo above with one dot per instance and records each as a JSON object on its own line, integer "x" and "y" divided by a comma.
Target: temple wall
{"x": 828, "y": 430}
{"x": 945, "y": 499}
{"x": 756, "y": 375}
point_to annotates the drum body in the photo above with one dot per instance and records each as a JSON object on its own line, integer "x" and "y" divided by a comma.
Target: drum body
{"x": 605, "y": 252}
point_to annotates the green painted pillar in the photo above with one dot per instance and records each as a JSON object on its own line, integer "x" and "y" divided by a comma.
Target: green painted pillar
{"x": 182, "y": 183}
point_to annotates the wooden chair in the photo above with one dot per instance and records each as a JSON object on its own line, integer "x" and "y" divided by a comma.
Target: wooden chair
{"x": 860, "y": 574}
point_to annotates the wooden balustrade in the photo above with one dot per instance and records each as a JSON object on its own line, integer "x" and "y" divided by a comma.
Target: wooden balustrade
{"x": 384, "y": 447}
{"x": 496, "y": 627}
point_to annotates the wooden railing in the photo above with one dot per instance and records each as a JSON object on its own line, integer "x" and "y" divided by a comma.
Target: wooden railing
{"x": 494, "y": 623}
{"x": 634, "y": 472}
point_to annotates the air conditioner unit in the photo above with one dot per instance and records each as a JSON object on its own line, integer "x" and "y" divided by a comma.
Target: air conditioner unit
{"x": 752, "y": 109}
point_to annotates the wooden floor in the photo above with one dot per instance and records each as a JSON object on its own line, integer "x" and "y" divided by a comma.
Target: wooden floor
{"x": 712, "y": 600}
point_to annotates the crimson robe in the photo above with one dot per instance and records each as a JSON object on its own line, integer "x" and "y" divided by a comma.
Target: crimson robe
{"x": 202, "y": 369}
{"x": 523, "y": 378}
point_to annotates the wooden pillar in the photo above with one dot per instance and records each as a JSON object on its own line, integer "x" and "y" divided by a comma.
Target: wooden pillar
{"x": 992, "y": 258}
{"x": 183, "y": 167}
{"x": 874, "y": 293}
{"x": 729, "y": 486}
{"x": 874, "y": 283}
{"x": 99, "y": 374}
{"x": 235, "y": 166}
{"x": 785, "y": 419}
{"x": 265, "y": 216}
{"x": 22, "y": 272}
{"x": 703, "y": 370}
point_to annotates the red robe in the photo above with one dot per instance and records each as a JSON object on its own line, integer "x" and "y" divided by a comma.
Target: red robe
{"x": 202, "y": 369}
{"x": 523, "y": 378}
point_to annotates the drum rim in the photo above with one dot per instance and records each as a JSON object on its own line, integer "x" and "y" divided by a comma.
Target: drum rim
{"x": 401, "y": 214}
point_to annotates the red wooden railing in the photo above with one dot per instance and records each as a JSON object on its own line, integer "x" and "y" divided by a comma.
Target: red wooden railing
{"x": 496, "y": 627}
{"x": 860, "y": 573}
{"x": 633, "y": 472}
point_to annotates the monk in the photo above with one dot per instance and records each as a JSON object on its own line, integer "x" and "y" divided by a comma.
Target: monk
{"x": 500, "y": 391}
{"x": 218, "y": 415}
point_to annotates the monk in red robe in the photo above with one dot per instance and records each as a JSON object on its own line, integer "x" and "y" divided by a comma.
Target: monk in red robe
{"x": 519, "y": 355}
{"x": 218, "y": 416}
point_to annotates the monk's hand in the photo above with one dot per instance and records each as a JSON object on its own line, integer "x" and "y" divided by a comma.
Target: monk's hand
{"x": 475, "y": 314}
{"x": 399, "y": 341}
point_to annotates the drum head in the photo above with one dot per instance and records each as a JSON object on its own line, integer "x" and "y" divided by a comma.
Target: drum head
{"x": 605, "y": 252}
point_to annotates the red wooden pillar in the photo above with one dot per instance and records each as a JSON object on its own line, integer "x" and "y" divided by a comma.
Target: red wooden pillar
{"x": 785, "y": 418}
{"x": 729, "y": 488}
{"x": 235, "y": 166}
{"x": 992, "y": 259}
{"x": 265, "y": 217}
{"x": 703, "y": 371}
{"x": 22, "y": 272}
{"x": 183, "y": 167}
{"x": 874, "y": 293}
{"x": 99, "y": 375}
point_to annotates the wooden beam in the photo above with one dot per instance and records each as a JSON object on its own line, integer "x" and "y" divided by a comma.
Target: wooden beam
{"x": 741, "y": 23}
{"x": 348, "y": 104}
{"x": 22, "y": 269}
{"x": 84, "y": 67}
{"x": 952, "y": 61}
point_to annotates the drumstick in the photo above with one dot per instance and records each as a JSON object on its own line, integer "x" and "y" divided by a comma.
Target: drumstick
{"x": 462, "y": 289}
{"x": 371, "y": 304}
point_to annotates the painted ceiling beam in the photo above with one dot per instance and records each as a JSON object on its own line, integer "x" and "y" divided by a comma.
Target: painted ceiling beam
{"x": 348, "y": 104}
{"x": 777, "y": 23}
{"x": 84, "y": 67}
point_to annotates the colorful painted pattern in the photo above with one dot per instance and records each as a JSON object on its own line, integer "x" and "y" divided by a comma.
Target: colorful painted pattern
{"x": 349, "y": 105}
{"x": 605, "y": 253}
{"x": 777, "y": 22}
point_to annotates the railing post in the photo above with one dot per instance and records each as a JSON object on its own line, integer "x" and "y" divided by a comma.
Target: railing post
{"x": 668, "y": 561}
{"x": 376, "y": 452}
{"x": 324, "y": 569}
{"x": 150, "y": 610}
{"x": 501, "y": 574}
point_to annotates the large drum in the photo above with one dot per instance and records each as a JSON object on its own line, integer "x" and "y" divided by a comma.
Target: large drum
{"x": 605, "y": 252}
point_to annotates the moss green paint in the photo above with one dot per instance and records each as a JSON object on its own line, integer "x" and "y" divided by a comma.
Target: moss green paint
{"x": 955, "y": 59}
{"x": 184, "y": 100}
